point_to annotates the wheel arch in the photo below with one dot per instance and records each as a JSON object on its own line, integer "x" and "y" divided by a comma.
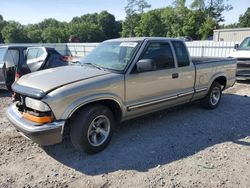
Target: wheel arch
{"x": 221, "y": 79}
{"x": 113, "y": 104}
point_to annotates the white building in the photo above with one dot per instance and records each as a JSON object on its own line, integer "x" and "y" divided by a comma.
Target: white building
{"x": 237, "y": 34}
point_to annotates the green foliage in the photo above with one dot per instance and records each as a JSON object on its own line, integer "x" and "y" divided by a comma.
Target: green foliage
{"x": 108, "y": 25}
{"x": 212, "y": 8}
{"x": 133, "y": 10}
{"x": 198, "y": 21}
{"x": 151, "y": 25}
{"x": 177, "y": 20}
{"x": 244, "y": 20}
{"x": 14, "y": 32}
{"x": 89, "y": 28}
{"x": 2, "y": 24}
{"x": 207, "y": 27}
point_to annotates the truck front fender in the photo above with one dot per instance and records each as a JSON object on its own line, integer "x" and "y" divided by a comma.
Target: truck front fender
{"x": 79, "y": 103}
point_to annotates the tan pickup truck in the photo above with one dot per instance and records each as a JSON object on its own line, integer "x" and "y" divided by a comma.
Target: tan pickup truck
{"x": 119, "y": 80}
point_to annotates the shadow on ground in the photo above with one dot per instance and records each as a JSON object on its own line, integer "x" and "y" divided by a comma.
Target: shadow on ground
{"x": 5, "y": 93}
{"x": 163, "y": 137}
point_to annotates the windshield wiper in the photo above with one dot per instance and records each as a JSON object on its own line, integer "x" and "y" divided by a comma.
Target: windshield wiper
{"x": 94, "y": 65}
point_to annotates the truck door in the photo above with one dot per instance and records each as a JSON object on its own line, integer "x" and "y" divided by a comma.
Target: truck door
{"x": 11, "y": 62}
{"x": 35, "y": 58}
{"x": 153, "y": 89}
{"x": 2, "y": 60}
{"x": 186, "y": 71}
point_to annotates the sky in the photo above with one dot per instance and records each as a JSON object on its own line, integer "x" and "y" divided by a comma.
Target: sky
{"x": 34, "y": 11}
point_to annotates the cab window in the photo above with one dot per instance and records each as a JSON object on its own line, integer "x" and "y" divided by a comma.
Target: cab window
{"x": 181, "y": 54}
{"x": 161, "y": 54}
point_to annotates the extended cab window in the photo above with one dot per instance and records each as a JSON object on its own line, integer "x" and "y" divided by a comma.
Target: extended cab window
{"x": 181, "y": 54}
{"x": 161, "y": 54}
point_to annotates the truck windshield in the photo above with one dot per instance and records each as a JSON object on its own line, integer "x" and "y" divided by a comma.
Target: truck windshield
{"x": 245, "y": 45}
{"x": 111, "y": 55}
{"x": 2, "y": 54}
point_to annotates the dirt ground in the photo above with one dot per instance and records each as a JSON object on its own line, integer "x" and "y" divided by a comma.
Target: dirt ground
{"x": 186, "y": 146}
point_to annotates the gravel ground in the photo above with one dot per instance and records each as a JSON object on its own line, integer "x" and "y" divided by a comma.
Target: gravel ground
{"x": 186, "y": 146}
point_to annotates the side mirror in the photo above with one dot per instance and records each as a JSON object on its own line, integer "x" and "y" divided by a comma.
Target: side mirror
{"x": 145, "y": 65}
{"x": 236, "y": 46}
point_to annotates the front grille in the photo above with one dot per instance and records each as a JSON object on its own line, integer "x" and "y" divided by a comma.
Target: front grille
{"x": 243, "y": 63}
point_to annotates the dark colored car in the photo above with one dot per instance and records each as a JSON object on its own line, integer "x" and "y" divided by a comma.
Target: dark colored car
{"x": 11, "y": 56}
{"x": 16, "y": 61}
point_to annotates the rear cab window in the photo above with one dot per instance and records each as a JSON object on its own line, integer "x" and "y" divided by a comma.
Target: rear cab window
{"x": 181, "y": 54}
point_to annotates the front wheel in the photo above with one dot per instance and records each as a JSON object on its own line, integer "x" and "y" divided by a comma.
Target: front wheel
{"x": 92, "y": 128}
{"x": 212, "y": 100}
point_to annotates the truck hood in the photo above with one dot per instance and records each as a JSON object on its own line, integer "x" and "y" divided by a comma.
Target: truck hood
{"x": 47, "y": 80}
{"x": 240, "y": 54}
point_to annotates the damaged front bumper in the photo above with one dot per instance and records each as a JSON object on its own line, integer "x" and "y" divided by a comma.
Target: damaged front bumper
{"x": 43, "y": 134}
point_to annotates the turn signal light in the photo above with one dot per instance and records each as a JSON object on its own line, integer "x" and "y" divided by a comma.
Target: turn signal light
{"x": 44, "y": 119}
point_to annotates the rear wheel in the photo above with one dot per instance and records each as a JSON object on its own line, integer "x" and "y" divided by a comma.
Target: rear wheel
{"x": 212, "y": 100}
{"x": 92, "y": 128}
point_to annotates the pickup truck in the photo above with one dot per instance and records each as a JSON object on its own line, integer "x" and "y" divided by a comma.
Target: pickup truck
{"x": 242, "y": 55}
{"x": 119, "y": 80}
{"x": 18, "y": 60}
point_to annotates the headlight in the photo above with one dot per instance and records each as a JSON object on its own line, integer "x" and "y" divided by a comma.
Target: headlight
{"x": 36, "y": 105}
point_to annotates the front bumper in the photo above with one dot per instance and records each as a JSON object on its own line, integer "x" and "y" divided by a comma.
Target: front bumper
{"x": 43, "y": 134}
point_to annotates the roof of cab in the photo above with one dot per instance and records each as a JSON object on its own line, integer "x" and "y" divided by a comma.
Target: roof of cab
{"x": 140, "y": 39}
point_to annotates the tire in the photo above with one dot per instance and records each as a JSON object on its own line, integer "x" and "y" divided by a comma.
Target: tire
{"x": 92, "y": 128}
{"x": 212, "y": 100}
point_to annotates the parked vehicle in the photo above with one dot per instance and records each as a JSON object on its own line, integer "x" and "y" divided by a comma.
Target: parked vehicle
{"x": 10, "y": 57}
{"x": 242, "y": 55}
{"x": 21, "y": 60}
{"x": 186, "y": 38}
{"x": 119, "y": 80}
{"x": 40, "y": 58}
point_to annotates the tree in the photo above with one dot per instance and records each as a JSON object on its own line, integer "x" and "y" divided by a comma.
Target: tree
{"x": 86, "y": 32}
{"x": 51, "y": 22}
{"x": 108, "y": 25}
{"x": 34, "y": 33}
{"x": 198, "y": 5}
{"x": 133, "y": 10}
{"x": 2, "y": 24}
{"x": 244, "y": 20}
{"x": 142, "y": 4}
{"x": 212, "y": 8}
{"x": 151, "y": 25}
{"x": 215, "y": 9}
{"x": 13, "y": 32}
{"x": 168, "y": 19}
{"x": 192, "y": 24}
{"x": 54, "y": 35}
{"x": 207, "y": 27}
{"x": 180, "y": 13}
